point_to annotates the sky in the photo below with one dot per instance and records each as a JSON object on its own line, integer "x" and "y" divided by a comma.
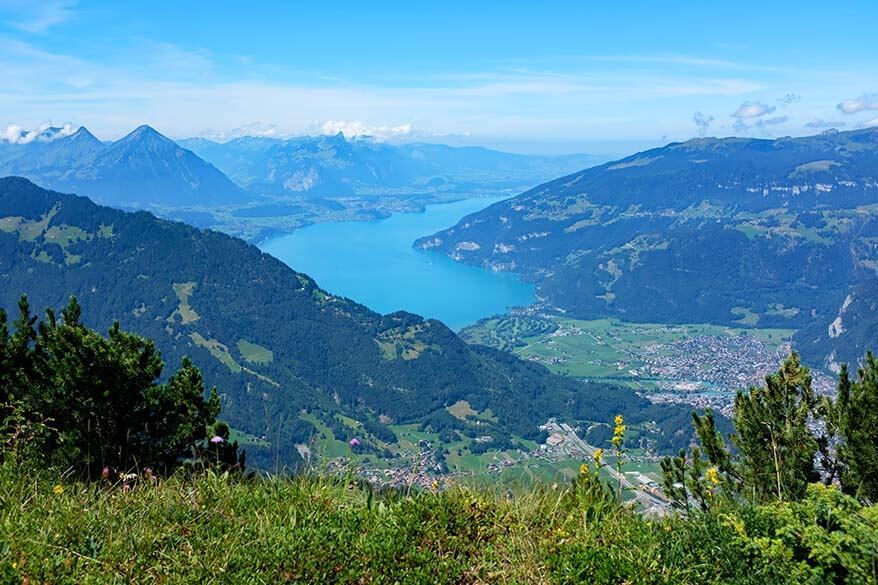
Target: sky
{"x": 549, "y": 77}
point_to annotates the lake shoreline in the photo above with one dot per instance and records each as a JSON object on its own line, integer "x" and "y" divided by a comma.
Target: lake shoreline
{"x": 374, "y": 263}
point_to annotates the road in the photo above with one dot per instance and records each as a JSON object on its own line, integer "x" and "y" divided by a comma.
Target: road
{"x": 650, "y": 502}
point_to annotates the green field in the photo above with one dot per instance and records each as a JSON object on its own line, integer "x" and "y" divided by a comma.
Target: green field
{"x": 605, "y": 348}
{"x": 255, "y": 353}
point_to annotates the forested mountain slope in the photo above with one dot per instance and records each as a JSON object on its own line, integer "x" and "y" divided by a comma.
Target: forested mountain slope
{"x": 843, "y": 337}
{"x": 767, "y": 232}
{"x": 275, "y": 344}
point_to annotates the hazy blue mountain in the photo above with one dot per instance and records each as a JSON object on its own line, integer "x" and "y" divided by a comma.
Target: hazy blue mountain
{"x": 476, "y": 163}
{"x": 143, "y": 168}
{"x": 768, "y": 232}
{"x": 270, "y": 338}
{"x": 333, "y": 165}
{"x": 55, "y": 160}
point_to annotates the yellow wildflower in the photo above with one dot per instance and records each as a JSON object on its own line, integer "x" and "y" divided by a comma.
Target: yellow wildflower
{"x": 619, "y": 420}
{"x": 712, "y": 475}
{"x": 58, "y": 489}
{"x": 599, "y": 456}
{"x": 583, "y": 469}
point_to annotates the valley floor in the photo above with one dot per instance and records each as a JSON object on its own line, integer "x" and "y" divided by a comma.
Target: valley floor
{"x": 690, "y": 363}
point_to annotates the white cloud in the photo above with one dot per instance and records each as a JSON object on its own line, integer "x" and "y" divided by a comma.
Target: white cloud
{"x": 819, "y": 123}
{"x": 751, "y": 110}
{"x": 354, "y": 128}
{"x": 740, "y": 126}
{"x": 45, "y": 132}
{"x": 872, "y": 123}
{"x": 860, "y": 104}
{"x": 772, "y": 121}
{"x": 702, "y": 123}
{"x": 260, "y": 129}
{"x": 37, "y": 17}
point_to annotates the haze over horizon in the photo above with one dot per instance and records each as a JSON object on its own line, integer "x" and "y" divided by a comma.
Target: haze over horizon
{"x": 520, "y": 79}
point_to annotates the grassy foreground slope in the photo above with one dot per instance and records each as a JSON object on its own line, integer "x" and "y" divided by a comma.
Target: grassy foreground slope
{"x": 315, "y": 530}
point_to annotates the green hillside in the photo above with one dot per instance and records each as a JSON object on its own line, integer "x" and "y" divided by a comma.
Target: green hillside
{"x": 282, "y": 352}
{"x": 732, "y": 231}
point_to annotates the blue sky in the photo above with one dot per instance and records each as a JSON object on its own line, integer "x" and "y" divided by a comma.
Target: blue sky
{"x": 527, "y": 76}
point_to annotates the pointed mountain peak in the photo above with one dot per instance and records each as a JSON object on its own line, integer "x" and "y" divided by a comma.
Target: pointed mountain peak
{"x": 145, "y": 132}
{"x": 146, "y": 136}
{"x": 83, "y": 134}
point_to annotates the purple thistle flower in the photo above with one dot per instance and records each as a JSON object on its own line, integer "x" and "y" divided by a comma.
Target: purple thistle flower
{"x": 355, "y": 442}
{"x": 216, "y": 440}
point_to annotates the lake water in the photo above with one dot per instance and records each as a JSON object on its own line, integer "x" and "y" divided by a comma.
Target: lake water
{"x": 374, "y": 264}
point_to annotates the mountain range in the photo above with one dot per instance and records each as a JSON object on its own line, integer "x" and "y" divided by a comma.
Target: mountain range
{"x": 779, "y": 233}
{"x": 148, "y": 170}
{"x": 141, "y": 169}
{"x": 288, "y": 357}
{"x": 334, "y": 165}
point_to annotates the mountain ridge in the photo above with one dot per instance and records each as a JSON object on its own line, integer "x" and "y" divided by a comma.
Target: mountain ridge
{"x": 726, "y": 231}
{"x": 142, "y": 169}
{"x": 335, "y": 165}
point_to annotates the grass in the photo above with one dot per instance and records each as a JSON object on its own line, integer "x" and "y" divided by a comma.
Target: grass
{"x": 217, "y": 350}
{"x": 215, "y": 529}
{"x": 746, "y": 315}
{"x": 255, "y": 353}
{"x": 65, "y": 235}
{"x": 461, "y": 409}
{"x": 187, "y": 314}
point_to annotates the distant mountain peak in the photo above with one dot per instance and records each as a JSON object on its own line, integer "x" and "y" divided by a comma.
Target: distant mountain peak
{"x": 142, "y": 168}
{"x": 144, "y": 129}
{"x": 144, "y": 132}
{"x": 83, "y": 133}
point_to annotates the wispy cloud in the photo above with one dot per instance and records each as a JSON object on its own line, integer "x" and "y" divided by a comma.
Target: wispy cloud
{"x": 819, "y": 123}
{"x": 751, "y": 110}
{"x": 678, "y": 61}
{"x": 762, "y": 126}
{"x": 872, "y": 123}
{"x": 702, "y": 123}
{"x": 776, "y": 121}
{"x": 354, "y": 128}
{"x": 860, "y": 104}
{"x": 37, "y": 16}
{"x": 182, "y": 90}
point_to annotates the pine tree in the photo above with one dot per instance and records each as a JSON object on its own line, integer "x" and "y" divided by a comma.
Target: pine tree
{"x": 777, "y": 449}
{"x": 96, "y": 400}
{"x": 855, "y": 418}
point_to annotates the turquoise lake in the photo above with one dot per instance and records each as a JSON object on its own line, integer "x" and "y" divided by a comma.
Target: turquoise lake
{"x": 374, "y": 264}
